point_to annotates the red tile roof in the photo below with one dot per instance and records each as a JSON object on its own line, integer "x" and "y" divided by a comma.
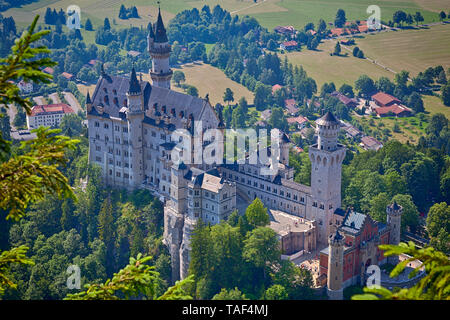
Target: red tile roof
{"x": 395, "y": 109}
{"x": 298, "y": 120}
{"x": 291, "y": 43}
{"x": 384, "y": 98}
{"x": 48, "y": 70}
{"x": 51, "y": 109}
{"x": 276, "y": 88}
{"x": 67, "y": 75}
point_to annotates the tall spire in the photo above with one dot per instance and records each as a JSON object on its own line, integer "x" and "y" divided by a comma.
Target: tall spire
{"x": 160, "y": 30}
{"x": 135, "y": 87}
{"x": 88, "y": 98}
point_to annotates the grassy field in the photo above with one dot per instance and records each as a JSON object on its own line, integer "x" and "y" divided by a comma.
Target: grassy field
{"x": 270, "y": 13}
{"x": 325, "y": 68}
{"x": 210, "y": 80}
{"x": 412, "y": 50}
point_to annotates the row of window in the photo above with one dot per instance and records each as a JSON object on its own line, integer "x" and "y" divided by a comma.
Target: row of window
{"x": 267, "y": 188}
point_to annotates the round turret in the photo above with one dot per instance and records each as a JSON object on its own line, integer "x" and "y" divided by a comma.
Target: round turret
{"x": 327, "y": 132}
{"x": 394, "y": 222}
{"x": 335, "y": 266}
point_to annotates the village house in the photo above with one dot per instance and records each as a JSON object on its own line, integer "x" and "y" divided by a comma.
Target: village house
{"x": 394, "y": 110}
{"x": 289, "y": 45}
{"x": 349, "y": 102}
{"x": 265, "y": 115}
{"x": 389, "y": 106}
{"x": 300, "y": 122}
{"x": 68, "y": 76}
{"x": 47, "y": 115}
{"x": 275, "y": 88}
{"x": 285, "y": 30}
{"x": 291, "y": 106}
{"x": 370, "y": 143}
{"x": 25, "y": 87}
{"x": 48, "y": 70}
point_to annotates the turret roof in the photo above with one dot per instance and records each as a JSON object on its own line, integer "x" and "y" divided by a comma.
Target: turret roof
{"x": 135, "y": 87}
{"x": 160, "y": 30}
{"x": 327, "y": 120}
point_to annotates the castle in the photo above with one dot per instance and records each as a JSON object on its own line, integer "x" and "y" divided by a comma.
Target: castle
{"x": 132, "y": 126}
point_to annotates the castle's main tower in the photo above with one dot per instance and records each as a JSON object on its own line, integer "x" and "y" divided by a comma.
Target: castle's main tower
{"x": 159, "y": 49}
{"x": 135, "y": 117}
{"x": 335, "y": 266}
{"x": 326, "y": 166}
{"x": 394, "y": 221}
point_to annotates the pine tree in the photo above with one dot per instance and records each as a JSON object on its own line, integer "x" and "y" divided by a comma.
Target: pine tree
{"x": 134, "y": 12}
{"x": 48, "y": 16}
{"x": 106, "y": 24}
{"x": 337, "y": 49}
{"x": 88, "y": 25}
{"x": 123, "y": 12}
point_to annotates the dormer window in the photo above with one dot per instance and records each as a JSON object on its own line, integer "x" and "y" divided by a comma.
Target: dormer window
{"x": 115, "y": 91}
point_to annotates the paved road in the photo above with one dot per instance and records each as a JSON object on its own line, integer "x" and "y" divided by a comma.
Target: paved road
{"x": 73, "y": 102}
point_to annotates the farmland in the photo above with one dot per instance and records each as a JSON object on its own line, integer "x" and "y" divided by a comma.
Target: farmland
{"x": 325, "y": 68}
{"x": 411, "y": 50}
{"x": 270, "y": 13}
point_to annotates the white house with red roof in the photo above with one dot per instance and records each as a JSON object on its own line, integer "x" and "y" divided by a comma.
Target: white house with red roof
{"x": 47, "y": 115}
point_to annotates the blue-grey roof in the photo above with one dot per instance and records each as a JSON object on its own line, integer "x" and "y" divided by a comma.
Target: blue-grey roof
{"x": 353, "y": 222}
{"x": 160, "y": 30}
{"x": 340, "y": 212}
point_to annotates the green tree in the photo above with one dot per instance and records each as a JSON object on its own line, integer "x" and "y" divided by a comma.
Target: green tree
{"x": 410, "y": 216}
{"x": 378, "y": 206}
{"x": 192, "y": 91}
{"x": 178, "y": 77}
{"x": 445, "y": 95}
{"x": 340, "y": 20}
{"x": 232, "y": 294}
{"x": 276, "y": 292}
{"x": 365, "y": 85}
{"x": 278, "y": 119}
{"x": 442, "y": 15}
{"x": 228, "y": 96}
{"x": 418, "y": 17}
{"x": 88, "y": 26}
{"x": 137, "y": 279}
{"x": 256, "y": 214}
{"x": 401, "y": 78}
{"x": 106, "y": 25}
{"x": 202, "y": 251}
{"x": 261, "y": 248}
{"x": 438, "y": 225}
{"x": 347, "y": 90}
{"x": 35, "y": 173}
{"x": 337, "y": 49}
{"x": 71, "y": 125}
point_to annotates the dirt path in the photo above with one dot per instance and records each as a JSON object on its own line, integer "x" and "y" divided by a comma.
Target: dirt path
{"x": 55, "y": 98}
{"x": 253, "y": 5}
{"x": 73, "y": 102}
{"x": 40, "y": 100}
